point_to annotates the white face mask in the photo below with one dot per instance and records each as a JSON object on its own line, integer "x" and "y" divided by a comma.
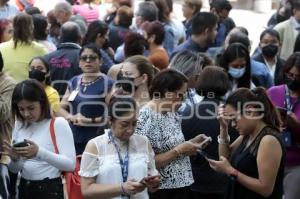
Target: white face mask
{"x": 236, "y": 73}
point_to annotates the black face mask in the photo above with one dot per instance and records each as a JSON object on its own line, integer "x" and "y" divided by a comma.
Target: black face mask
{"x": 126, "y": 83}
{"x": 270, "y": 50}
{"x": 292, "y": 84}
{"x": 37, "y": 74}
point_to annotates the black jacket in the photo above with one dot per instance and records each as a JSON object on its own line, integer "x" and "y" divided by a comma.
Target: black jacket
{"x": 64, "y": 64}
{"x": 279, "y": 65}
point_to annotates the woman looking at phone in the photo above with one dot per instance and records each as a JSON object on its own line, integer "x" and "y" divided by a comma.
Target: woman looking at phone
{"x": 119, "y": 164}
{"x": 160, "y": 122}
{"x": 33, "y": 154}
{"x": 257, "y": 156}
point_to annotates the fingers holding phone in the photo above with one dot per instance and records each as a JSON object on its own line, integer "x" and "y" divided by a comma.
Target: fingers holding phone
{"x": 152, "y": 182}
{"x": 26, "y": 148}
{"x": 9, "y": 151}
{"x": 190, "y": 147}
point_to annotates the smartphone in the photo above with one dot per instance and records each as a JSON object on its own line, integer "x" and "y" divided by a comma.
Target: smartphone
{"x": 205, "y": 154}
{"x": 21, "y": 144}
{"x": 148, "y": 178}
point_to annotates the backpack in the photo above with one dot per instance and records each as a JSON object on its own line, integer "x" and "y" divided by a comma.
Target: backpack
{"x": 71, "y": 180}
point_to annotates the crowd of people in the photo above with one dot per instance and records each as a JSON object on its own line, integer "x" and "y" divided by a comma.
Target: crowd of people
{"x": 154, "y": 107}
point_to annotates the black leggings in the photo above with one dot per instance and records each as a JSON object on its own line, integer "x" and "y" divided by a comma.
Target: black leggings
{"x": 37, "y": 189}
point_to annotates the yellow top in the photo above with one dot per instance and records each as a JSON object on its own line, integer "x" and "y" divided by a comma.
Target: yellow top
{"x": 16, "y": 59}
{"x": 53, "y": 98}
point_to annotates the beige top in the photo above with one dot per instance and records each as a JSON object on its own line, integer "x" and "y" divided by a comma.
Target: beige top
{"x": 7, "y": 85}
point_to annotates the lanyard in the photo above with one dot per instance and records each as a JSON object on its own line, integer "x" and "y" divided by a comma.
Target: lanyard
{"x": 123, "y": 162}
{"x": 288, "y": 103}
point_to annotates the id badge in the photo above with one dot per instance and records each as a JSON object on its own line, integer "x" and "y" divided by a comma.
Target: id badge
{"x": 73, "y": 95}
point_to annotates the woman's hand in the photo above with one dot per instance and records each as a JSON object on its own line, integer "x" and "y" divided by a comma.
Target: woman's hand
{"x": 222, "y": 165}
{"x": 132, "y": 187}
{"x": 202, "y": 140}
{"x": 223, "y": 118}
{"x": 187, "y": 148}
{"x": 9, "y": 150}
{"x": 152, "y": 182}
{"x": 28, "y": 151}
{"x": 79, "y": 120}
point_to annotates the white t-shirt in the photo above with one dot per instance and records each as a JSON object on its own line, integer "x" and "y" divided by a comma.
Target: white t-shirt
{"x": 46, "y": 164}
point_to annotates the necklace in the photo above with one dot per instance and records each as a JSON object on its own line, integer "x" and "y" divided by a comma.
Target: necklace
{"x": 86, "y": 84}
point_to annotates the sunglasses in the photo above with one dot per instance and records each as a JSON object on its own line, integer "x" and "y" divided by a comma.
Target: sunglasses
{"x": 91, "y": 58}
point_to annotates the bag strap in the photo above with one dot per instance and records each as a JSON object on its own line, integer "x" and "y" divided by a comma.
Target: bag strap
{"x": 53, "y": 137}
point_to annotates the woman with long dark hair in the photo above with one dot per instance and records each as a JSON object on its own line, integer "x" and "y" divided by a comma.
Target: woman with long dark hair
{"x": 257, "y": 156}
{"x": 236, "y": 62}
{"x": 32, "y": 150}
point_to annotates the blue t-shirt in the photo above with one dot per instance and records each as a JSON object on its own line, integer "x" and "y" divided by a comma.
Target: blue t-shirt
{"x": 90, "y": 102}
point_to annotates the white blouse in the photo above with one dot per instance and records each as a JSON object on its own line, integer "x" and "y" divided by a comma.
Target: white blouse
{"x": 106, "y": 165}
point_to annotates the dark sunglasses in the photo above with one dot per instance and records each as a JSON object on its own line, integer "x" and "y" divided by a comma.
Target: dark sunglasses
{"x": 86, "y": 58}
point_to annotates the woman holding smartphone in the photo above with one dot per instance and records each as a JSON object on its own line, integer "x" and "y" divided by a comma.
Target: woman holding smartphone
{"x": 257, "y": 156}
{"x": 119, "y": 164}
{"x": 32, "y": 153}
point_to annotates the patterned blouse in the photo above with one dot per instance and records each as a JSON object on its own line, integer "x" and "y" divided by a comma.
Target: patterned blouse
{"x": 164, "y": 133}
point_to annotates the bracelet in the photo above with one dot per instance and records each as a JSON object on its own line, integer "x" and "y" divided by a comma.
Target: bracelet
{"x": 223, "y": 141}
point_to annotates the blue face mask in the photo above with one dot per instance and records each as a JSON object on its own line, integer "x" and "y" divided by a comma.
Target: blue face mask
{"x": 236, "y": 73}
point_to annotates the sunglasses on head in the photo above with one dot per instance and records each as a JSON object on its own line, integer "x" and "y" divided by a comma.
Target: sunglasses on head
{"x": 90, "y": 58}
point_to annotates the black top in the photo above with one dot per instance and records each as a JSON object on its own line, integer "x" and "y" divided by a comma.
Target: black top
{"x": 64, "y": 64}
{"x": 244, "y": 160}
{"x": 202, "y": 118}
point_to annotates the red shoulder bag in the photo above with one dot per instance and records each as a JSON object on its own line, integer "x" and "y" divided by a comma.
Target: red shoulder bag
{"x": 71, "y": 180}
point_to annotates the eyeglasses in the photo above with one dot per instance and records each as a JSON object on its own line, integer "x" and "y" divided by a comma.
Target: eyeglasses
{"x": 91, "y": 58}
